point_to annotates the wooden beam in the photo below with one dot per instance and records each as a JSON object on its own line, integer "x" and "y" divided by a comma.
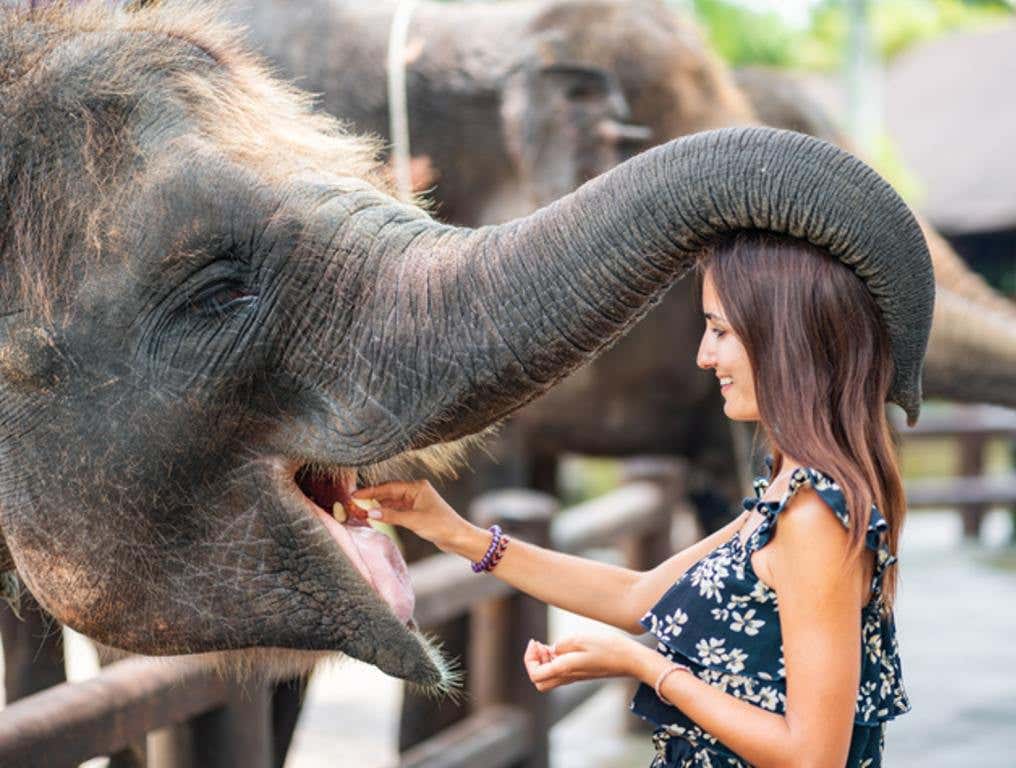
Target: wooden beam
{"x": 72, "y": 722}
{"x": 568, "y": 698}
{"x": 962, "y": 491}
{"x": 987, "y": 420}
{"x": 630, "y": 510}
{"x": 446, "y": 587}
{"x": 495, "y": 737}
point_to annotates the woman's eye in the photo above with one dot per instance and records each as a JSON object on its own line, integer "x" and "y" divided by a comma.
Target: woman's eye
{"x": 718, "y": 333}
{"x": 222, "y": 299}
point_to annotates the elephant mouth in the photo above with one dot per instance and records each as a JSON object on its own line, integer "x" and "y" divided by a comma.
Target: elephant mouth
{"x": 326, "y": 493}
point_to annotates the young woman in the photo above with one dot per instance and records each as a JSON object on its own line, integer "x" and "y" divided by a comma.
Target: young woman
{"x": 776, "y": 642}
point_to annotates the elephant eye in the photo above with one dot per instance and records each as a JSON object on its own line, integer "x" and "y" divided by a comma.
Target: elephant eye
{"x": 222, "y": 299}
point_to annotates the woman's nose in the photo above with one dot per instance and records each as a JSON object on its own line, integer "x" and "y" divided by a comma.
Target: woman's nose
{"x": 705, "y": 359}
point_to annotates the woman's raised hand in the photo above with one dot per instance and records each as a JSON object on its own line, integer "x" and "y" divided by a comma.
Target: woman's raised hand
{"x": 583, "y": 657}
{"x": 418, "y": 507}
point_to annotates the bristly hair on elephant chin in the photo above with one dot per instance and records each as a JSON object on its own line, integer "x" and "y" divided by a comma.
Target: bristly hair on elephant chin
{"x": 260, "y": 665}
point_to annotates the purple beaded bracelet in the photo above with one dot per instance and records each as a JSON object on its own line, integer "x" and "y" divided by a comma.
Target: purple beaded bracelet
{"x": 498, "y": 544}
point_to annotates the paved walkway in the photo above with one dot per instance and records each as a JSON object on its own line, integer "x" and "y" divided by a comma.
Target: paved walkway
{"x": 956, "y": 617}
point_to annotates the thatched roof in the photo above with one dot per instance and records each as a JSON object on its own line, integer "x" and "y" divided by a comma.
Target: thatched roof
{"x": 951, "y": 110}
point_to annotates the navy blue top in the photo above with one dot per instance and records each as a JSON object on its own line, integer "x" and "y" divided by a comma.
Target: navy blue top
{"x": 722, "y": 621}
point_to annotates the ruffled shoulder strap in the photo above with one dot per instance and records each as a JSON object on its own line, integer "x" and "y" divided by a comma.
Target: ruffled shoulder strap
{"x": 832, "y": 495}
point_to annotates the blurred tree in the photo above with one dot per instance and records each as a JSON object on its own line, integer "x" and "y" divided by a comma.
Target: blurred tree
{"x": 743, "y": 35}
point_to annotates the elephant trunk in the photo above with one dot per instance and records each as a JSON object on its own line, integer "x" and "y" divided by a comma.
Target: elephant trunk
{"x": 490, "y": 318}
{"x": 971, "y": 353}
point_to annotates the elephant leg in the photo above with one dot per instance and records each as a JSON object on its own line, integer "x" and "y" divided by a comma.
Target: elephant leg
{"x": 543, "y": 469}
{"x": 33, "y": 649}
{"x": 287, "y": 701}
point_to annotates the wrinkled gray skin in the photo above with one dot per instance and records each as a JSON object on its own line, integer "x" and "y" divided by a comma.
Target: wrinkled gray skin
{"x": 206, "y": 288}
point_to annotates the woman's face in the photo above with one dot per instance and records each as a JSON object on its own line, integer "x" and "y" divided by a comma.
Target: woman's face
{"x": 722, "y": 352}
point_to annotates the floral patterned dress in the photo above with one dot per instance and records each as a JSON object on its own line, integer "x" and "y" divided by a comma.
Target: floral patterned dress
{"x": 723, "y": 622}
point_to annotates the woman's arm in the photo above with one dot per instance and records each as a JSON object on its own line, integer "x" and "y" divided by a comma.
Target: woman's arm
{"x": 607, "y": 593}
{"x": 820, "y": 599}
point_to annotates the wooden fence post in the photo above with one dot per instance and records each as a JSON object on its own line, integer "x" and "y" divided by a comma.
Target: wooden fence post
{"x": 972, "y": 448}
{"x": 652, "y": 548}
{"x": 511, "y": 622}
{"x": 648, "y": 550}
{"x": 236, "y": 734}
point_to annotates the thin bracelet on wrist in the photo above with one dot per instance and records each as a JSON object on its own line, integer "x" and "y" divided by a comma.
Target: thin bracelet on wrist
{"x": 663, "y": 676}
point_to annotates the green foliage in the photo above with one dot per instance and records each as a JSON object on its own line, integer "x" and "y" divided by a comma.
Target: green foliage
{"x": 742, "y": 36}
{"x": 745, "y": 36}
{"x": 885, "y": 158}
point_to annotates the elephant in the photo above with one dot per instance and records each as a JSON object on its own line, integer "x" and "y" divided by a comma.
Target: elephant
{"x": 514, "y": 104}
{"x": 219, "y": 318}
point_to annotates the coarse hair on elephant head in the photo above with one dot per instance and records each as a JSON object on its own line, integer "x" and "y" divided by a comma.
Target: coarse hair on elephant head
{"x": 823, "y": 368}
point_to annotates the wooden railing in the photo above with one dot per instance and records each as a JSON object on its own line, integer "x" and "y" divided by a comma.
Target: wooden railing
{"x": 221, "y": 724}
{"x": 970, "y": 491}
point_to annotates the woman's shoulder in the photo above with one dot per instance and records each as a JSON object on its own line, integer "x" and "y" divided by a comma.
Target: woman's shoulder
{"x": 812, "y": 502}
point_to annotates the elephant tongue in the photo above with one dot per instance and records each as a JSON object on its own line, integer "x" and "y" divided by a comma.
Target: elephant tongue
{"x": 378, "y": 560}
{"x": 375, "y": 555}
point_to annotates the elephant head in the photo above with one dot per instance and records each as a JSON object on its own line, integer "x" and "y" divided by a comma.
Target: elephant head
{"x": 594, "y": 82}
{"x": 216, "y": 316}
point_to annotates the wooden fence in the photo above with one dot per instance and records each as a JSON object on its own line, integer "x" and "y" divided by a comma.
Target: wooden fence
{"x": 215, "y": 724}
{"x": 218, "y": 724}
{"x": 971, "y": 491}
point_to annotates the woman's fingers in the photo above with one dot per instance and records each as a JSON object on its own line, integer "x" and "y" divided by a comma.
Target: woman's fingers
{"x": 394, "y": 494}
{"x": 570, "y": 645}
{"x": 559, "y": 667}
{"x": 531, "y": 658}
{"x": 546, "y": 656}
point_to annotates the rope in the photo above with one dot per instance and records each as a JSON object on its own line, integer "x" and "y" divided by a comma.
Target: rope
{"x": 398, "y": 110}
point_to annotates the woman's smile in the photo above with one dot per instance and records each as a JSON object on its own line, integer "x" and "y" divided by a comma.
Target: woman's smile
{"x": 722, "y": 352}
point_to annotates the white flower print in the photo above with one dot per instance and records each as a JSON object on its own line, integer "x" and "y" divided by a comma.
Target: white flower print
{"x": 873, "y": 645}
{"x": 769, "y": 698}
{"x": 654, "y": 622}
{"x": 710, "y": 651}
{"x": 674, "y": 622}
{"x": 710, "y": 575}
{"x": 735, "y": 660}
{"x": 761, "y": 593}
{"x": 746, "y": 622}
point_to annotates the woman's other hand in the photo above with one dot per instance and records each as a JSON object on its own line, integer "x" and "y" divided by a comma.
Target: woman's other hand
{"x": 418, "y": 507}
{"x": 582, "y": 657}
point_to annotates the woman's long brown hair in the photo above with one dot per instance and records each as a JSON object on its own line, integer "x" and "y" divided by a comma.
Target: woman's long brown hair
{"x": 822, "y": 365}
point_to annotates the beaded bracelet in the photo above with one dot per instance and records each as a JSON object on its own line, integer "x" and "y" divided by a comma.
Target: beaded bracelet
{"x": 498, "y": 544}
{"x": 663, "y": 676}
